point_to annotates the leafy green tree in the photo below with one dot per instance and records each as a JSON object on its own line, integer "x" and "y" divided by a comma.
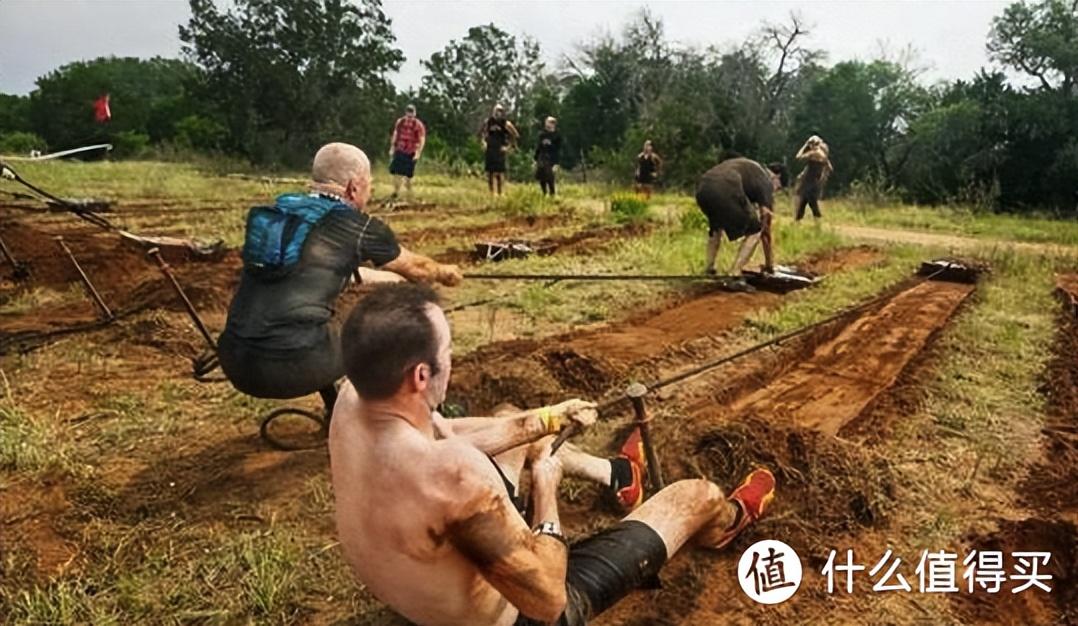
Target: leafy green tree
{"x": 146, "y": 97}
{"x": 1041, "y": 40}
{"x": 697, "y": 106}
{"x": 20, "y": 142}
{"x": 863, "y": 111}
{"x": 464, "y": 80}
{"x": 14, "y": 113}
{"x": 285, "y": 76}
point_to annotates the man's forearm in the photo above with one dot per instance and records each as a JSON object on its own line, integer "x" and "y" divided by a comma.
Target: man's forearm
{"x": 494, "y": 435}
{"x": 545, "y": 504}
{"x": 415, "y": 267}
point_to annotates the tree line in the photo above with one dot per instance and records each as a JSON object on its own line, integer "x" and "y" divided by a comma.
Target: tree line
{"x": 270, "y": 80}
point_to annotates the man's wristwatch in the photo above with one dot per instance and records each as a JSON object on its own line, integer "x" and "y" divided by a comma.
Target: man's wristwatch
{"x": 552, "y": 529}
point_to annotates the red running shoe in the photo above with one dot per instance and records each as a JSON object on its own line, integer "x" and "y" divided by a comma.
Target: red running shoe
{"x": 632, "y": 495}
{"x": 753, "y": 497}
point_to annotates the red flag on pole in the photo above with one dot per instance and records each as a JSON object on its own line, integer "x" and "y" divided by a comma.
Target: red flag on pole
{"x": 102, "y": 113}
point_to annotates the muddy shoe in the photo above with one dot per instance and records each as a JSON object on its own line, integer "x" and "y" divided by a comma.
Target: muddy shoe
{"x": 739, "y": 285}
{"x": 752, "y": 498}
{"x": 627, "y": 472}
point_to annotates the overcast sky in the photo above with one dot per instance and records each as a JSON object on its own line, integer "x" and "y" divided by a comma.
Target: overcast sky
{"x": 37, "y": 36}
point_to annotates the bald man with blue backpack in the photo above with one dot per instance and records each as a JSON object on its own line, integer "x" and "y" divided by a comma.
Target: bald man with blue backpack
{"x": 299, "y": 254}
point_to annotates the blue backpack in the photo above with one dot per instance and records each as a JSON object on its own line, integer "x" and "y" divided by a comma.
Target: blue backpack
{"x": 276, "y": 234}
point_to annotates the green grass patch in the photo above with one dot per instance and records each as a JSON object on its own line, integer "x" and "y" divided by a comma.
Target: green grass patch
{"x": 628, "y": 208}
{"x": 31, "y": 442}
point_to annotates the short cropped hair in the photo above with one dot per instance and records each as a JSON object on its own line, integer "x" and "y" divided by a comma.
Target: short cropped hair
{"x": 338, "y": 163}
{"x": 387, "y": 334}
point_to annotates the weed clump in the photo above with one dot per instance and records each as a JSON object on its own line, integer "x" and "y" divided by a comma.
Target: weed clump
{"x": 627, "y": 208}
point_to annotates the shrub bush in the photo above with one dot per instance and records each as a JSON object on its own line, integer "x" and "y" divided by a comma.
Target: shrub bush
{"x": 21, "y": 143}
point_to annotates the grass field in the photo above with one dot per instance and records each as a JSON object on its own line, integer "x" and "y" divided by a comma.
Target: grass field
{"x": 130, "y": 493}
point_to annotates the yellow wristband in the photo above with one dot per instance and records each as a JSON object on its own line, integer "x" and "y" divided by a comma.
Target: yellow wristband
{"x": 551, "y": 422}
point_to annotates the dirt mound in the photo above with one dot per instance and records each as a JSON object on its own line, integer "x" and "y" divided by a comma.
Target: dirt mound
{"x": 504, "y": 228}
{"x": 127, "y": 280}
{"x": 1031, "y": 606}
{"x": 584, "y": 241}
{"x": 108, "y": 259}
{"x": 828, "y": 486}
{"x": 838, "y": 259}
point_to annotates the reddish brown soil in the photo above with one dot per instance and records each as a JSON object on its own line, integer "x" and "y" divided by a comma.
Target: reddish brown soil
{"x": 129, "y": 282}
{"x": 648, "y": 344}
{"x": 582, "y": 242}
{"x": 1053, "y": 484}
{"x": 1031, "y": 606}
{"x": 32, "y": 539}
{"x": 831, "y": 388}
{"x": 777, "y": 412}
{"x": 513, "y": 227}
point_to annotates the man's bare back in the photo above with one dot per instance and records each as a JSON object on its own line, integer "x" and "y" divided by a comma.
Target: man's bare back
{"x": 397, "y": 491}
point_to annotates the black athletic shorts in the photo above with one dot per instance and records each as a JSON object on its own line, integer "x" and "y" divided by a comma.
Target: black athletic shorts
{"x": 606, "y": 567}
{"x": 403, "y": 164}
{"x": 495, "y": 161}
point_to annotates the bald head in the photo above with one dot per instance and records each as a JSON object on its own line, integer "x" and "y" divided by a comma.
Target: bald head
{"x": 339, "y": 163}
{"x": 342, "y": 169}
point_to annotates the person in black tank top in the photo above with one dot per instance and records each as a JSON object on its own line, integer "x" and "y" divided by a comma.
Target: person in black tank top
{"x": 280, "y": 339}
{"x": 546, "y": 155}
{"x": 648, "y": 169}
{"x": 498, "y": 136}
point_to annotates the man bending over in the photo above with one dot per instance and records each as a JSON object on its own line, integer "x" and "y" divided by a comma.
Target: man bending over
{"x": 280, "y": 340}
{"x": 425, "y": 515}
{"x": 737, "y": 196}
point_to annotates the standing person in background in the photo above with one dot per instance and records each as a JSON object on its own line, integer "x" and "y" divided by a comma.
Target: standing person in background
{"x": 810, "y": 183}
{"x": 405, "y": 147}
{"x": 648, "y": 169}
{"x": 498, "y": 135}
{"x": 546, "y": 155}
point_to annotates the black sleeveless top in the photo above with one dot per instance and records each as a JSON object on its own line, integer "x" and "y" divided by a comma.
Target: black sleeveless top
{"x": 497, "y": 133}
{"x": 289, "y": 312}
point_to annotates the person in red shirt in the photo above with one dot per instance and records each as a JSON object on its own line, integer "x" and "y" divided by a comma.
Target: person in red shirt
{"x": 405, "y": 147}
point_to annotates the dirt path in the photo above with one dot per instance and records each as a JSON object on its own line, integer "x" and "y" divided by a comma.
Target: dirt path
{"x": 953, "y": 242}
